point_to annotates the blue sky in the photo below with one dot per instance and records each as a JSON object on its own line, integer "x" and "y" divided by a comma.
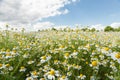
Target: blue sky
{"x": 41, "y": 14}
{"x": 89, "y": 12}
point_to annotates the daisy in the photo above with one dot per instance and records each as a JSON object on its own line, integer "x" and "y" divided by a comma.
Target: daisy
{"x": 29, "y": 78}
{"x": 115, "y": 56}
{"x": 81, "y": 76}
{"x": 22, "y": 69}
{"x": 52, "y": 73}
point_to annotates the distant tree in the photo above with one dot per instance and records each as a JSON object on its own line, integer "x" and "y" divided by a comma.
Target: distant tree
{"x": 108, "y": 28}
{"x": 117, "y": 29}
{"x": 38, "y": 30}
{"x": 54, "y": 29}
{"x": 93, "y": 30}
{"x": 84, "y": 29}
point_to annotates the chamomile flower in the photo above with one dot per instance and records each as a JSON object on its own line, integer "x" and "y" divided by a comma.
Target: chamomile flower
{"x": 29, "y": 78}
{"x": 2, "y": 66}
{"x": 82, "y": 77}
{"x": 9, "y": 67}
{"x": 45, "y": 58}
{"x": 66, "y": 55}
{"x": 74, "y": 54}
{"x": 31, "y": 62}
{"x": 63, "y": 77}
{"x": 52, "y": 73}
{"x": 94, "y": 63}
{"x": 22, "y": 69}
{"x": 34, "y": 74}
{"x": 8, "y": 55}
{"x": 116, "y": 56}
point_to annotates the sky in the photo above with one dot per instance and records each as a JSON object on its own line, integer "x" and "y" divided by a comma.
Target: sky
{"x": 42, "y": 14}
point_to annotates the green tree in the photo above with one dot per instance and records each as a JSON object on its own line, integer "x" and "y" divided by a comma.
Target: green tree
{"x": 93, "y": 30}
{"x": 108, "y": 28}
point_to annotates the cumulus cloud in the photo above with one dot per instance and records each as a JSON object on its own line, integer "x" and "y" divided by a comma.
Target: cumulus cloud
{"x": 27, "y": 11}
{"x": 115, "y": 24}
{"x": 98, "y": 26}
{"x": 43, "y": 25}
{"x": 19, "y": 27}
{"x": 48, "y": 25}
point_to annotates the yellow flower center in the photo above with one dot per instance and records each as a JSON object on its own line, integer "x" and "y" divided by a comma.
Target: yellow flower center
{"x": 44, "y": 57}
{"x": 86, "y": 62}
{"x": 94, "y": 63}
{"x": 14, "y": 51}
{"x": 8, "y": 54}
{"x": 7, "y": 65}
{"x": 1, "y": 65}
{"x": 81, "y": 75}
{"x": 52, "y": 72}
{"x": 73, "y": 46}
{"x": 75, "y": 51}
{"x": 8, "y": 50}
{"x": 66, "y": 54}
{"x": 42, "y": 79}
{"x": 34, "y": 73}
{"x": 22, "y": 67}
{"x": 63, "y": 77}
{"x": 117, "y": 56}
{"x": 106, "y": 48}
{"x": 55, "y": 61}
{"x": 62, "y": 46}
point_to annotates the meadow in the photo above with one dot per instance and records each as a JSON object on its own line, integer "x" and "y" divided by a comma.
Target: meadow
{"x": 59, "y": 55}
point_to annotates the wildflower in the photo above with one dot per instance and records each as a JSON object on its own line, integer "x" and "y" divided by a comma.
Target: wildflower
{"x": 106, "y": 48}
{"x": 82, "y": 77}
{"x": 94, "y": 63}
{"x": 7, "y": 65}
{"x": 66, "y": 55}
{"x": 34, "y": 74}
{"x": 25, "y": 55}
{"x": 42, "y": 79}
{"x": 38, "y": 64}
{"x": 29, "y": 78}
{"x": 8, "y": 50}
{"x": 74, "y": 54}
{"x": 8, "y": 55}
{"x": 69, "y": 73}
{"x": 45, "y": 58}
{"x": 51, "y": 74}
{"x": 56, "y": 62}
{"x": 30, "y": 62}
{"x": 22, "y": 69}
{"x": 1, "y": 66}
{"x": 77, "y": 67}
{"x": 86, "y": 62}
{"x": 88, "y": 46}
{"x": 63, "y": 77}
{"x": 115, "y": 56}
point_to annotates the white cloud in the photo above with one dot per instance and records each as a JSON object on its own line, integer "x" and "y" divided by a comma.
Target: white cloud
{"x": 18, "y": 26}
{"x": 42, "y": 25}
{"x": 27, "y": 11}
{"x": 115, "y": 24}
{"x": 61, "y": 27}
{"x": 98, "y": 26}
{"x": 66, "y": 11}
{"x": 47, "y": 25}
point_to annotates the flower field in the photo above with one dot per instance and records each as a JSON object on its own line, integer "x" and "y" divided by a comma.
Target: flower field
{"x": 59, "y": 55}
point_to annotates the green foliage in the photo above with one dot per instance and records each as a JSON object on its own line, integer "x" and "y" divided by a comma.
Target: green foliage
{"x": 108, "y": 28}
{"x": 70, "y": 53}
